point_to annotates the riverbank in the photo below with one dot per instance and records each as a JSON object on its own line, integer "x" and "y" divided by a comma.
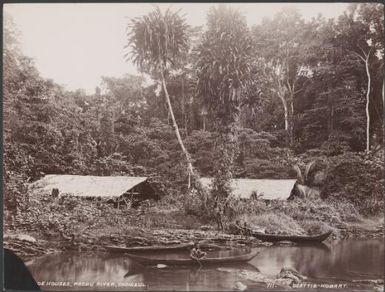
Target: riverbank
{"x": 370, "y": 228}
{"x": 34, "y": 244}
{"x": 69, "y": 223}
{"x": 28, "y": 246}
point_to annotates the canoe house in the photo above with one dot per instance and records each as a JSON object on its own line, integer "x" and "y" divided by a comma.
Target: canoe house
{"x": 119, "y": 190}
{"x": 263, "y": 189}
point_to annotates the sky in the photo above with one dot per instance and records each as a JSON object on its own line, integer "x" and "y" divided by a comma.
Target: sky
{"x": 75, "y": 44}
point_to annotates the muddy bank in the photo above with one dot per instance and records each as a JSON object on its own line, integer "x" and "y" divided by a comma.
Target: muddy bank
{"x": 360, "y": 231}
{"x": 28, "y": 247}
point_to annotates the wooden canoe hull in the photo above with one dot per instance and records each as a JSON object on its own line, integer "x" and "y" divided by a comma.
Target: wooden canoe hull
{"x": 188, "y": 261}
{"x": 292, "y": 238}
{"x": 119, "y": 249}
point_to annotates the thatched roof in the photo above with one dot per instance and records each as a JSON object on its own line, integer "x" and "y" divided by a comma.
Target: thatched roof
{"x": 87, "y": 185}
{"x": 272, "y": 189}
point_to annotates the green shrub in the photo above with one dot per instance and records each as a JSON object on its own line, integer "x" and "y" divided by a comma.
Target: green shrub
{"x": 358, "y": 179}
{"x": 193, "y": 205}
{"x": 157, "y": 218}
{"x": 301, "y": 215}
{"x": 274, "y": 223}
{"x": 348, "y": 212}
{"x": 252, "y": 207}
{"x": 313, "y": 227}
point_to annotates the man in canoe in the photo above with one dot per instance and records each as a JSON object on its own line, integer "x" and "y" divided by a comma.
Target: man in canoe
{"x": 196, "y": 253}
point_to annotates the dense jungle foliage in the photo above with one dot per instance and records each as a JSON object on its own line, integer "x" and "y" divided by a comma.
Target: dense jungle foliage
{"x": 301, "y": 97}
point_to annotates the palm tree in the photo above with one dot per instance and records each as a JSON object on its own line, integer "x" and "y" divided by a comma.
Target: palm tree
{"x": 223, "y": 69}
{"x": 157, "y": 42}
{"x": 309, "y": 181}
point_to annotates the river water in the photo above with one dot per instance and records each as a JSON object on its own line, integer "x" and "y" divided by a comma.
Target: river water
{"x": 338, "y": 262}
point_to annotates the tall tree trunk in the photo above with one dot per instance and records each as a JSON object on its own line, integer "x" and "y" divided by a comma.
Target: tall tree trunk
{"x": 291, "y": 121}
{"x": 176, "y": 129}
{"x": 330, "y": 113}
{"x": 286, "y": 111}
{"x": 383, "y": 110}
{"x": 367, "y": 106}
{"x": 383, "y": 87}
{"x": 193, "y": 177}
{"x": 204, "y": 122}
{"x": 284, "y": 103}
{"x": 365, "y": 59}
{"x": 184, "y": 117}
{"x": 186, "y": 125}
{"x": 168, "y": 117}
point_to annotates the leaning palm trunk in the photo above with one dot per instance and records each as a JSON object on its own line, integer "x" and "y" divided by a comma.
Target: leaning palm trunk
{"x": 194, "y": 181}
{"x": 176, "y": 128}
{"x": 156, "y": 41}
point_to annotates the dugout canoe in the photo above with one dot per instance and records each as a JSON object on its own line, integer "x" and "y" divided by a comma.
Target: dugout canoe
{"x": 120, "y": 249}
{"x": 189, "y": 261}
{"x": 293, "y": 238}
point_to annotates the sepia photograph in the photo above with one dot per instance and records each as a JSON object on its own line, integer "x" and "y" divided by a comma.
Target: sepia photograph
{"x": 193, "y": 146}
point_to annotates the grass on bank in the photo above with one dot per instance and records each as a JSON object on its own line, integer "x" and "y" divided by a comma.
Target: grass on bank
{"x": 47, "y": 217}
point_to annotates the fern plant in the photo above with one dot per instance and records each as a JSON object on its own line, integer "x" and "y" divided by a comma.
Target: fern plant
{"x": 309, "y": 181}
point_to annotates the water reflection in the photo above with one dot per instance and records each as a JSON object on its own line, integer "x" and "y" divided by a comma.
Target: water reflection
{"x": 342, "y": 260}
{"x": 81, "y": 268}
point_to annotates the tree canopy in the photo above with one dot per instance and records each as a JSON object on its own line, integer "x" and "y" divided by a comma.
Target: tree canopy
{"x": 226, "y": 79}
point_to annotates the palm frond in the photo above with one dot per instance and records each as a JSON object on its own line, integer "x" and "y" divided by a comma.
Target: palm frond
{"x": 299, "y": 174}
{"x": 308, "y": 169}
{"x": 156, "y": 40}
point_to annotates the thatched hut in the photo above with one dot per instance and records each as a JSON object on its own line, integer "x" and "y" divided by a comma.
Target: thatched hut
{"x": 264, "y": 189}
{"x": 119, "y": 190}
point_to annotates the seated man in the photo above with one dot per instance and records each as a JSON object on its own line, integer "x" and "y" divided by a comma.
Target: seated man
{"x": 246, "y": 229}
{"x": 196, "y": 253}
{"x": 234, "y": 228}
{"x": 238, "y": 225}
